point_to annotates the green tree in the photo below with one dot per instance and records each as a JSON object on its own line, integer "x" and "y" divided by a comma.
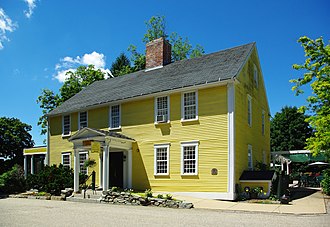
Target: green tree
{"x": 14, "y": 137}
{"x": 316, "y": 73}
{"x": 77, "y": 80}
{"x": 121, "y": 66}
{"x": 289, "y": 130}
{"x": 155, "y": 29}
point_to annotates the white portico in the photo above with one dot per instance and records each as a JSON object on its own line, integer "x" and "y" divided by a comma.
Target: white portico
{"x": 113, "y": 153}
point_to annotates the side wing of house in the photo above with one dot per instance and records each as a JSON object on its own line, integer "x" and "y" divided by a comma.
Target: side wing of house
{"x": 252, "y": 121}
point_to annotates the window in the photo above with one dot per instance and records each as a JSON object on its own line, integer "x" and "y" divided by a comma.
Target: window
{"x": 255, "y": 75}
{"x": 189, "y": 106}
{"x": 249, "y": 110}
{"x": 115, "y": 116}
{"x": 66, "y": 125}
{"x": 162, "y": 159}
{"x": 83, "y": 120}
{"x": 263, "y": 123}
{"x": 189, "y": 156}
{"x": 162, "y": 109}
{"x": 250, "y": 160}
{"x": 82, "y": 158}
{"x": 66, "y": 160}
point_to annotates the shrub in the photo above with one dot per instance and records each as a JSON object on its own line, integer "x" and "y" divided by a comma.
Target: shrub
{"x": 169, "y": 196}
{"x": 52, "y": 179}
{"x": 325, "y": 183}
{"x": 160, "y": 196}
{"x": 12, "y": 181}
{"x": 148, "y": 193}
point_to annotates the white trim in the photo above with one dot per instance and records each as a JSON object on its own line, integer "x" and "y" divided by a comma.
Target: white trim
{"x": 76, "y": 165}
{"x": 34, "y": 153}
{"x": 250, "y": 156}
{"x": 182, "y": 105}
{"x": 66, "y": 153}
{"x": 110, "y": 117}
{"x": 249, "y": 98}
{"x": 79, "y": 119}
{"x": 189, "y": 144}
{"x": 101, "y": 169}
{"x": 157, "y": 146}
{"x": 231, "y": 140}
{"x": 156, "y": 109}
{"x": 146, "y": 96}
{"x": 69, "y": 134}
{"x": 256, "y": 181}
{"x": 129, "y": 168}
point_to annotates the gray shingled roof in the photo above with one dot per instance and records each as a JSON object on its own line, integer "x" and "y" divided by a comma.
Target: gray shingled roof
{"x": 222, "y": 65}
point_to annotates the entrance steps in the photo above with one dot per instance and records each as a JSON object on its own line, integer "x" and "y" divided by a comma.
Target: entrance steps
{"x": 89, "y": 196}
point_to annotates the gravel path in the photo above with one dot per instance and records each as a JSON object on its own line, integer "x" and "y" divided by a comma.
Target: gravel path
{"x": 27, "y": 212}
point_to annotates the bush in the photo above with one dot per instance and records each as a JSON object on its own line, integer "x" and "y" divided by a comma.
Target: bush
{"x": 325, "y": 183}
{"x": 12, "y": 181}
{"x": 148, "y": 193}
{"x": 51, "y": 179}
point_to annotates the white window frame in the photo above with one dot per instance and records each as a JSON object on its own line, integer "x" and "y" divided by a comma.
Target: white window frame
{"x": 110, "y": 117}
{"x": 80, "y": 164}
{"x": 250, "y": 157}
{"x": 156, "y": 108}
{"x": 263, "y": 120}
{"x": 79, "y": 123}
{"x": 64, "y": 154}
{"x": 63, "y": 131}
{"x": 183, "y": 107}
{"x": 189, "y": 144}
{"x": 157, "y": 146}
{"x": 249, "y": 110}
{"x": 255, "y": 76}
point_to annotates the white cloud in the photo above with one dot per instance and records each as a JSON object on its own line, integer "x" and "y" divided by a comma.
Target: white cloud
{"x": 31, "y": 5}
{"x": 6, "y": 25}
{"x": 69, "y": 64}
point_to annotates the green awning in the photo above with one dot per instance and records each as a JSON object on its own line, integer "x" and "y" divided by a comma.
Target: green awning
{"x": 305, "y": 157}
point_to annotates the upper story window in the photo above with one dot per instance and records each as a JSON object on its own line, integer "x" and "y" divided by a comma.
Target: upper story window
{"x": 162, "y": 109}
{"x": 255, "y": 76}
{"x": 66, "y": 160}
{"x": 189, "y": 106}
{"x": 162, "y": 159}
{"x": 83, "y": 156}
{"x": 189, "y": 158}
{"x": 250, "y": 160}
{"x": 83, "y": 118}
{"x": 66, "y": 125}
{"x": 115, "y": 116}
{"x": 249, "y": 110}
{"x": 263, "y": 122}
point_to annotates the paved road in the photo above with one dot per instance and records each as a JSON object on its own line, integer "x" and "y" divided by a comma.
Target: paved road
{"x": 27, "y": 212}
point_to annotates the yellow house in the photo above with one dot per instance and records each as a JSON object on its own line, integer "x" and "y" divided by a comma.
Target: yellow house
{"x": 190, "y": 127}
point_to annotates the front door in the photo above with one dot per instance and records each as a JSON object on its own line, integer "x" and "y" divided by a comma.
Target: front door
{"x": 116, "y": 169}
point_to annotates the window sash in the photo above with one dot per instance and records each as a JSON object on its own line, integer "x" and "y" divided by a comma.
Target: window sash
{"x": 161, "y": 160}
{"x": 249, "y": 111}
{"x": 162, "y": 107}
{"x": 66, "y": 125}
{"x": 189, "y": 158}
{"x": 83, "y": 120}
{"x": 82, "y": 158}
{"x": 115, "y": 116}
{"x": 66, "y": 160}
{"x": 250, "y": 159}
{"x": 189, "y": 106}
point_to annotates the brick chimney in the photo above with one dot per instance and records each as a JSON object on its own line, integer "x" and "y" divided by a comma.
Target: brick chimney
{"x": 158, "y": 53}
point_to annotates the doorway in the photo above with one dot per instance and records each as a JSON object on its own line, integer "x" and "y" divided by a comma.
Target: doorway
{"x": 116, "y": 169}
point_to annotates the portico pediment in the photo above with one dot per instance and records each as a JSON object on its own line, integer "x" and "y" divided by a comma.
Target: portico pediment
{"x": 88, "y": 134}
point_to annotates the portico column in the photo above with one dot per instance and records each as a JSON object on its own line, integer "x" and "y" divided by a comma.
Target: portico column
{"x": 129, "y": 168}
{"x": 287, "y": 168}
{"x": 106, "y": 168}
{"x": 32, "y": 164}
{"x": 25, "y": 166}
{"x": 76, "y": 171}
{"x": 101, "y": 169}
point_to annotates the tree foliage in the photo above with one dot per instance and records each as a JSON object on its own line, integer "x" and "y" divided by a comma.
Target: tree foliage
{"x": 14, "y": 137}
{"x": 289, "y": 130}
{"x": 12, "y": 181}
{"x": 77, "y": 80}
{"x": 155, "y": 29}
{"x": 316, "y": 73}
{"x": 121, "y": 65}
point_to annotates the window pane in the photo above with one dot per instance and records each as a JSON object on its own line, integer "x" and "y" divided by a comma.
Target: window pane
{"x": 189, "y": 105}
{"x": 66, "y": 160}
{"x": 66, "y": 125}
{"x": 82, "y": 159}
{"x": 161, "y": 160}
{"x": 115, "y": 116}
{"x": 83, "y": 119}
{"x": 162, "y": 108}
{"x": 189, "y": 159}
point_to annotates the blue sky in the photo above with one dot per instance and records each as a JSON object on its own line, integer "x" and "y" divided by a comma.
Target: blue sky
{"x": 40, "y": 39}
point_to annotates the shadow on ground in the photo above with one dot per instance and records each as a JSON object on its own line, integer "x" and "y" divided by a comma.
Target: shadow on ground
{"x": 301, "y": 192}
